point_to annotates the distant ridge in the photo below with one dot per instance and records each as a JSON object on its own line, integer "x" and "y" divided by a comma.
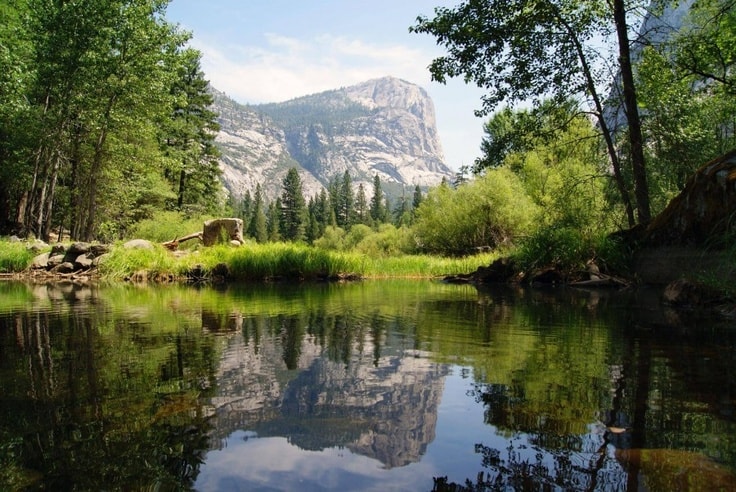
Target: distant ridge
{"x": 384, "y": 126}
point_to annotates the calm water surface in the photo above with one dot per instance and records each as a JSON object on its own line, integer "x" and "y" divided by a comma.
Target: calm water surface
{"x": 378, "y": 385}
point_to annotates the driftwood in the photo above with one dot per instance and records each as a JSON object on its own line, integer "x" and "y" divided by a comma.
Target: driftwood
{"x": 173, "y": 245}
{"x": 602, "y": 281}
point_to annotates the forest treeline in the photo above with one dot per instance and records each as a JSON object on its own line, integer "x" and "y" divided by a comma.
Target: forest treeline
{"x": 107, "y": 129}
{"x": 104, "y": 118}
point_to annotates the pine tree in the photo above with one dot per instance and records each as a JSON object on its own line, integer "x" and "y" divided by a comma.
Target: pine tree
{"x": 258, "y": 228}
{"x": 378, "y": 209}
{"x": 345, "y": 205}
{"x": 274, "y": 220}
{"x": 362, "y": 212}
{"x": 293, "y": 208}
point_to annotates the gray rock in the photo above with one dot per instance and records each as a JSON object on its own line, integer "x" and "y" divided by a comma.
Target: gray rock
{"x": 138, "y": 244}
{"x": 54, "y": 260}
{"x": 83, "y": 262}
{"x": 78, "y": 248}
{"x": 215, "y": 230}
{"x": 40, "y": 262}
{"x": 65, "y": 267}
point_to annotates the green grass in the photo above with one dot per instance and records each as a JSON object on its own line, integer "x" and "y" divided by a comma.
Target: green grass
{"x": 254, "y": 261}
{"x": 14, "y": 257}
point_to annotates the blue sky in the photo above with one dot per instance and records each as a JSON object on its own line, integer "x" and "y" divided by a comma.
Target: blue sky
{"x": 274, "y": 50}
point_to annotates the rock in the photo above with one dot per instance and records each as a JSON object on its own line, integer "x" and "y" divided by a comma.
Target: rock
{"x": 40, "y": 262}
{"x": 37, "y": 246}
{"x": 14, "y": 239}
{"x": 387, "y": 127}
{"x": 501, "y": 270}
{"x": 54, "y": 260}
{"x": 138, "y": 244}
{"x": 703, "y": 212}
{"x": 83, "y": 262}
{"x": 58, "y": 249}
{"x": 64, "y": 267}
{"x": 216, "y": 230}
{"x": 78, "y": 248}
{"x": 99, "y": 249}
{"x": 688, "y": 293}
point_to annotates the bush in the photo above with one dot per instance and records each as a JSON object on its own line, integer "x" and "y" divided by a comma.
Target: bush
{"x": 488, "y": 212}
{"x": 165, "y": 226}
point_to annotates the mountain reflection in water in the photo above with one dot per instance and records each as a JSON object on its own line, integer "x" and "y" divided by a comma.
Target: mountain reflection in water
{"x": 386, "y": 385}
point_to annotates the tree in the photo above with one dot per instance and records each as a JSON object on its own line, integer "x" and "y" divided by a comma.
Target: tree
{"x": 489, "y": 211}
{"x": 258, "y": 227}
{"x": 274, "y": 220}
{"x": 293, "y": 207}
{"x": 704, "y": 49}
{"x": 416, "y": 201}
{"x": 521, "y": 50}
{"x": 362, "y": 212}
{"x": 344, "y": 205}
{"x": 190, "y": 137}
{"x": 378, "y": 208}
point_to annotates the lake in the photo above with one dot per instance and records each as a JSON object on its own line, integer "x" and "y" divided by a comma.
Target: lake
{"x": 374, "y": 385}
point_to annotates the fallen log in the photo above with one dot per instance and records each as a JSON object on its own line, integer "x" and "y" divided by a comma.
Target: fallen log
{"x": 173, "y": 245}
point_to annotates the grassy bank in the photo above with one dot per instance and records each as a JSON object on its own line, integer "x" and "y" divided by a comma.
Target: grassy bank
{"x": 257, "y": 262}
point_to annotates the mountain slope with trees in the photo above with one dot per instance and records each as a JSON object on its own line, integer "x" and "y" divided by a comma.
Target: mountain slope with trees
{"x": 384, "y": 127}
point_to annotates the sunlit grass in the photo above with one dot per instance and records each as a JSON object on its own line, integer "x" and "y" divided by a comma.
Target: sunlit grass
{"x": 254, "y": 261}
{"x": 121, "y": 263}
{"x": 14, "y": 257}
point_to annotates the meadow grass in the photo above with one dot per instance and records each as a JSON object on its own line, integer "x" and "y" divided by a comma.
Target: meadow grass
{"x": 254, "y": 261}
{"x": 14, "y": 257}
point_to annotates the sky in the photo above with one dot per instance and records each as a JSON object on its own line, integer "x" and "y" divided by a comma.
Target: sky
{"x": 260, "y": 51}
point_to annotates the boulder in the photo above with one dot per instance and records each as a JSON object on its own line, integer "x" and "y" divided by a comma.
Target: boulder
{"x": 64, "y": 267}
{"x": 54, "y": 260}
{"x": 78, "y": 248}
{"x": 138, "y": 244}
{"x": 703, "y": 213}
{"x": 501, "y": 270}
{"x": 683, "y": 292}
{"x": 58, "y": 249}
{"x": 40, "y": 262}
{"x": 83, "y": 262}
{"x": 229, "y": 230}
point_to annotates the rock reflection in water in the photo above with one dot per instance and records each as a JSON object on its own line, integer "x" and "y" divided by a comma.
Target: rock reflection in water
{"x": 384, "y": 408}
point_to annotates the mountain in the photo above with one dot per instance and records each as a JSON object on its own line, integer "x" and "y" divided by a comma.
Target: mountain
{"x": 383, "y": 127}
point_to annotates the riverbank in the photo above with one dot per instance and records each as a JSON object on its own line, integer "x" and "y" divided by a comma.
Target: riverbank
{"x": 144, "y": 261}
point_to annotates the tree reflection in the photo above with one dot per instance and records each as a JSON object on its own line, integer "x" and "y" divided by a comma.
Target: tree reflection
{"x": 81, "y": 409}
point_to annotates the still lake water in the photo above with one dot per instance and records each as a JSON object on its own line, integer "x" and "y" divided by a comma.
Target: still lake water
{"x": 375, "y": 385}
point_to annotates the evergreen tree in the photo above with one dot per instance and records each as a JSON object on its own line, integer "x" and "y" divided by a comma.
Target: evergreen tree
{"x": 189, "y": 138}
{"x": 402, "y": 212}
{"x": 293, "y": 208}
{"x": 416, "y": 201}
{"x": 274, "y": 220}
{"x": 258, "y": 227}
{"x": 378, "y": 208}
{"x": 345, "y": 202}
{"x": 362, "y": 211}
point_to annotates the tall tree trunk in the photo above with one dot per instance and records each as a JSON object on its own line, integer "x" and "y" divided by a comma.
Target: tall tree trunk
{"x": 182, "y": 183}
{"x": 631, "y": 109}
{"x": 605, "y": 130}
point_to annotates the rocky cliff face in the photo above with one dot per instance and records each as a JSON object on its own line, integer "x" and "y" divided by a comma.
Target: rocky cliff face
{"x": 383, "y": 127}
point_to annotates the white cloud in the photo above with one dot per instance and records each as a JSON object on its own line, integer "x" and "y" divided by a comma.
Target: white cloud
{"x": 286, "y": 67}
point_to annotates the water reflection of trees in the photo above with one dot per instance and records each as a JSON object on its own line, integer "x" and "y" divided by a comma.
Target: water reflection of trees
{"x": 82, "y": 409}
{"x": 668, "y": 390}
